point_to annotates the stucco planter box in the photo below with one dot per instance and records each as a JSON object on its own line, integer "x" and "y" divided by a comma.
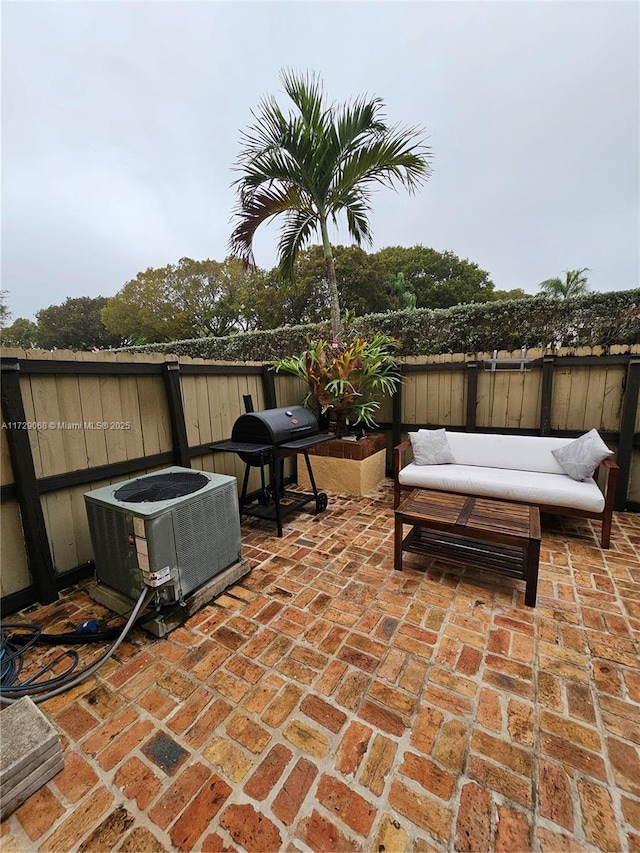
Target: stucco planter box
{"x": 346, "y": 467}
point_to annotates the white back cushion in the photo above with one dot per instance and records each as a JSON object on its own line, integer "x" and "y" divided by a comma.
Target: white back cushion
{"x": 515, "y": 452}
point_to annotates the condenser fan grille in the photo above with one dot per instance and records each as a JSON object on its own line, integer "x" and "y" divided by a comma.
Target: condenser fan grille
{"x": 161, "y": 487}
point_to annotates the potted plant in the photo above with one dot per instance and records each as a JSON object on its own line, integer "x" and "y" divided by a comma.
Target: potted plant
{"x": 346, "y": 378}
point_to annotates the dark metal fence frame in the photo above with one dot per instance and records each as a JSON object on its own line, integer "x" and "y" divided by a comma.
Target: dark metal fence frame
{"x": 27, "y": 488}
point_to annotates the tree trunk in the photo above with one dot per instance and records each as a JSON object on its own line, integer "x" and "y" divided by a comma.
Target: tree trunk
{"x": 336, "y": 326}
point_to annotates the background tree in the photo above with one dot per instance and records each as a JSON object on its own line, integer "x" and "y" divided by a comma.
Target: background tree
{"x": 359, "y": 280}
{"x": 514, "y": 293}
{"x": 145, "y": 311}
{"x": 190, "y": 299}
{"x": 213, "y": 297}
{"x": 194, "y": 299}
{"x": 5, "y": 314}
{"x": 371, "y": 283}
{"x": 438, "y": 279}
{"x": 260, "y": 299}
{"x": 76, "y": 324}
{"x": 21, "y": 333}
{"x": 314, "y": 165}
{"x": 574, "y": 284}
{"x": 297, "y": 301}
{"x": 399, "y": 289}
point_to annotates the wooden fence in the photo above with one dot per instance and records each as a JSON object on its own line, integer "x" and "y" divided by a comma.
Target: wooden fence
{"x": 76, "y": 421}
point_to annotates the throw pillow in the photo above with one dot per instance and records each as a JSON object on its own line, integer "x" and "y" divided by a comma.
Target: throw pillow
{"x": 430, "y": 447}
{"x": 581, "y": 458}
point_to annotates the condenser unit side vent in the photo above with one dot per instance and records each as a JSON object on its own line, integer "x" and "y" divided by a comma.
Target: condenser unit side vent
{"x": 113, "y": 555}
{"x": 207, "y": 536}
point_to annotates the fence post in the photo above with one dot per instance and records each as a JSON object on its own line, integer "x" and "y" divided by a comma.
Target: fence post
{"x": 627, "y": 428}
{"x": 171, "y": 372}
{"x": 269, "y": 386}
{"x": 26, "y": 485}
{"x": 396, "y": 411}
{"x": 472, "y": 395}
{"x": 546, "y": 394}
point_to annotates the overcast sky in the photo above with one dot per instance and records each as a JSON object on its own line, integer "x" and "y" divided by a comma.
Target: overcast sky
{"x": 121, "y": 122}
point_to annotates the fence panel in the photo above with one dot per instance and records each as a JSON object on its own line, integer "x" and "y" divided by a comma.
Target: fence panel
{"x": 414, "y": 404}
{"x": 531, "y": 394}
{"x": 583, "y": 397}
{"x": 611, "y": 407}
{"x": 290, "y": 390}
{"x": 133, "y": 415}
{"x": 634, "y": 474}
{"x": 15, "y": 575}
{"x": 197, "y": 414}
{"x": 508, "y": 399}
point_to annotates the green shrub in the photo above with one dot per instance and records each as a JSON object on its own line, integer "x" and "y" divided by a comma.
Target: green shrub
{"x": 597, "y": 319}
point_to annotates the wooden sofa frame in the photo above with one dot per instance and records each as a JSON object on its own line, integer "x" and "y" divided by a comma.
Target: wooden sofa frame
{"x": 606, "y": 516}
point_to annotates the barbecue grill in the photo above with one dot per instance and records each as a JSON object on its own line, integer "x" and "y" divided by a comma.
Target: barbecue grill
{"x": 265, "y": 439}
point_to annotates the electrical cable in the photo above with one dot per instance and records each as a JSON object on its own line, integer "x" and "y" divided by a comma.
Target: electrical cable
{"x": 12, "y": 651}
{"x": 73, "y": 638}
{"x": 78, "y": 638}
{"x": 25, "y": 642}
{"x": 27, "y": 689}
{"x": 75, "y": 659}
{"x": 12, "y": 657}
{"x": 13, "y": 647}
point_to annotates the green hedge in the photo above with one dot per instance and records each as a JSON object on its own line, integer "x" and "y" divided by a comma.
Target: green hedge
{"x": 598, "y": 319}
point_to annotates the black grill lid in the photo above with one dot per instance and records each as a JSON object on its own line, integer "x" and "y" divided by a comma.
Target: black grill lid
{"x": 275, "y": 426}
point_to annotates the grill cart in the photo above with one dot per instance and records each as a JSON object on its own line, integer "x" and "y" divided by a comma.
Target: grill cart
{"x": 263, "y": 440}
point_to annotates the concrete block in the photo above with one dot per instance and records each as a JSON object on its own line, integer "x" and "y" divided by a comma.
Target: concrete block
{"x": 35, "y": 759}
{"x": 21, "y": 793}
{"x": 30, "y": 753}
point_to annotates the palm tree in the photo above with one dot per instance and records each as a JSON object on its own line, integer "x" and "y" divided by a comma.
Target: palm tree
{"x": 574, "y": 284}
{"x": 317, "y": 162}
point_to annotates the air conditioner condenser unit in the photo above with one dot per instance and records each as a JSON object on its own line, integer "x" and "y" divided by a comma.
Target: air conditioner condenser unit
{"x": 175, "y": 530}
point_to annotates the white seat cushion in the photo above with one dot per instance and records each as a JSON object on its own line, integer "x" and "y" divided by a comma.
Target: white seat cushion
{"x": 531, "y": 487}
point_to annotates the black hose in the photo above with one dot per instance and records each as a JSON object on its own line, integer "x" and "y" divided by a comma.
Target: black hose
{"x": 73, "y": 638}
{"x": 62, "y": 681}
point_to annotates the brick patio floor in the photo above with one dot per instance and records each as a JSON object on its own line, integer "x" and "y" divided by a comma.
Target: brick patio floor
{"x": 328, "y": 703}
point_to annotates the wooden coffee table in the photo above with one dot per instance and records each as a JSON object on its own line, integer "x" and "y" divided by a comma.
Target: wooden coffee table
{"x": 478, "y": 532}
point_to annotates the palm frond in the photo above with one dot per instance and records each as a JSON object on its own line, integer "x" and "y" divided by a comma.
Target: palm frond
{"x": 254, "y": 209}
{"x": 362, "y": 119}
{"x": 393, "y": 158}
{"x": 306, "y": 93}
{"x": 356, "y": 208}
{"x": 298, "y": 227}
{"x": 575, "y": 284}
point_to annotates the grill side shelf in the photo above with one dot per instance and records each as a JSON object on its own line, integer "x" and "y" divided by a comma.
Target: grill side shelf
{"x": 230, "y": 446}
{"x": 306, "y": 443}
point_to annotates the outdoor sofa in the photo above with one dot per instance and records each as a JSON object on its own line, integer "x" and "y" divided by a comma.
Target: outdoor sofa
{"x": 516, "y": 468}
